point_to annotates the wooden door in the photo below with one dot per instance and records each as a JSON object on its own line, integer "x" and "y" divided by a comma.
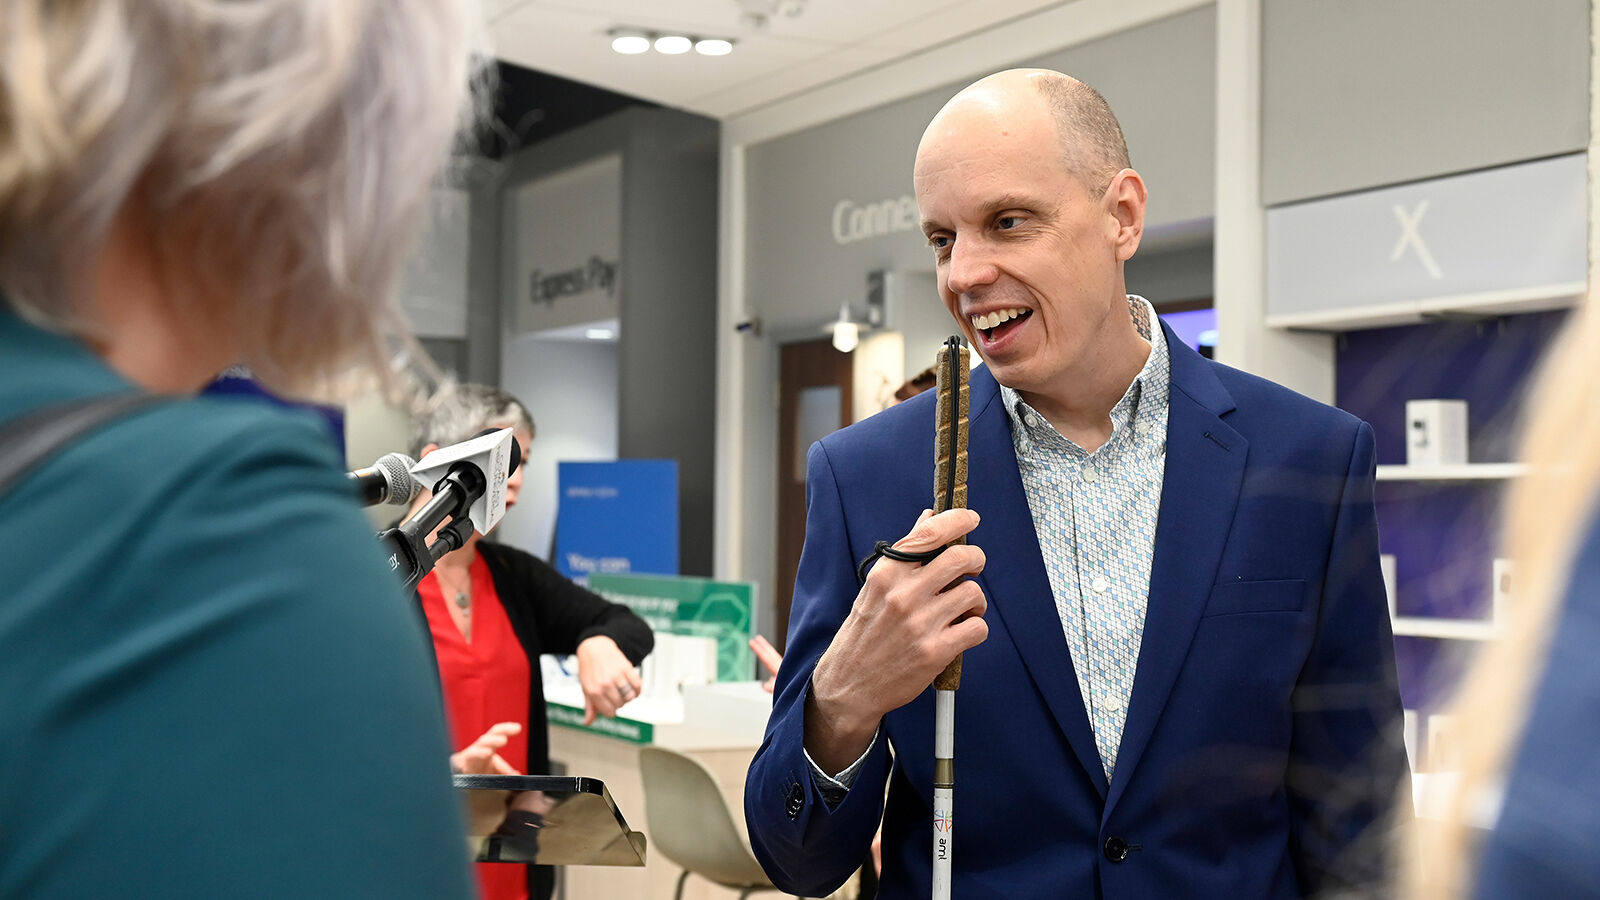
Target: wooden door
{"x": 814, "y": 400}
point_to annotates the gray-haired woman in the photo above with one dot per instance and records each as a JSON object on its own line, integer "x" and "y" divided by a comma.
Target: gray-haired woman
{"x": 492, "y": 610}
{"x": 211, "y": 685}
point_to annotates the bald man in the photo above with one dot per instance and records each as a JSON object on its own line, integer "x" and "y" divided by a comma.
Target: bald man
{"x": 1178, "y": 677}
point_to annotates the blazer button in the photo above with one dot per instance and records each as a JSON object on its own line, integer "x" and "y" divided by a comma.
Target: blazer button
{"x": 1116, "y": 849}
{"x": 797, "y": 801}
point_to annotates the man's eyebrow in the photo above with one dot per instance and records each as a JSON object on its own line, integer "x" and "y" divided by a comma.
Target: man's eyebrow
{"x": 1010, "y": 201}
{"x": 999, "y": 204}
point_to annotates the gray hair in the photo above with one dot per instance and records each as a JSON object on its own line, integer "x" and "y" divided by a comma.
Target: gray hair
{"x": 281, "y": 152}
{"x": 460, "y": 412}
{"x": 1091, "y": 137}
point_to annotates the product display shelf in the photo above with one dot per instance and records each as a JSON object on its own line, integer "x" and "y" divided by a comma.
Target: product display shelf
{"x": 1461, "y": 472}
{"x": 1449, "y": 629}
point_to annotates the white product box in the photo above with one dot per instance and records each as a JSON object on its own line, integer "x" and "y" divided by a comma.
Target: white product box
{"x": 1500, "y": 605}
{"x": 678, "y": 660}
{"x": 1436, "y": 432}
{"x": 734, "y": 707}
{"x": 1386, "y": 563}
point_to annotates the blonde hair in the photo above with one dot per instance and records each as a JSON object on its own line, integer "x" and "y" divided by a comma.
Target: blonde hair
{"x": 281, "y": 152}
{"x": 1547, "y": 514}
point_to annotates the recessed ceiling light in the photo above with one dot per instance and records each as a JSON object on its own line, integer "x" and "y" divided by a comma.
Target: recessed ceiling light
{"x": 630, "y": 43}
{"x": 713, "y": 47}
{"x": 672, "y": 44}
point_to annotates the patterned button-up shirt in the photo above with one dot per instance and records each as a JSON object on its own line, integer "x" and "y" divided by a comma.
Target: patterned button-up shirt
{"x": 1095, "y": 515}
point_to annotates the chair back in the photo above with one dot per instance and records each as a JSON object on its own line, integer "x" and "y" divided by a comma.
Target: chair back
{"x": 690, "y": 823}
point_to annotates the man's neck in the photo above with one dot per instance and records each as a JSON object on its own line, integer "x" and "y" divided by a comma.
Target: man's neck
{"x": 1080, "y": 406}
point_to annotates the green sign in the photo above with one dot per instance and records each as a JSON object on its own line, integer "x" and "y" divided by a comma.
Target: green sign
{"x": 697, "y": 607}
{"x": 627, "y": 729}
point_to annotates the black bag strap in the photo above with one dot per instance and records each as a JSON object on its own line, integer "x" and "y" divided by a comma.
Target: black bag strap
{"x": 28, "y": 441}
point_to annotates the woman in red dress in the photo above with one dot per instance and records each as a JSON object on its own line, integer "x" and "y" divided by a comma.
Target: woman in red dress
{"x": 492, "y": 610}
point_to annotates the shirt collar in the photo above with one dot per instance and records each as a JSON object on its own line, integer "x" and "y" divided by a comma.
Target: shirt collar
{"x": 1146, "y": 394}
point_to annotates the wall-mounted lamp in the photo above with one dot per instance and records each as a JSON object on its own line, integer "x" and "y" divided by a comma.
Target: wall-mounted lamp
{"x": 846, "y": 333}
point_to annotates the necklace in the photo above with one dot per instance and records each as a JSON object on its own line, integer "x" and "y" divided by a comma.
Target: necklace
{"x": 463, "y": 596}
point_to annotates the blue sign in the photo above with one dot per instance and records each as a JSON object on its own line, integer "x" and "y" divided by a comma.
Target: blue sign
{"x": 617, "y": 518}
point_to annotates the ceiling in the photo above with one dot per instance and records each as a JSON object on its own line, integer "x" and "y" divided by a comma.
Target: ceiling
{"x": 825, "y": 41}
{"x": 532, "y": 106}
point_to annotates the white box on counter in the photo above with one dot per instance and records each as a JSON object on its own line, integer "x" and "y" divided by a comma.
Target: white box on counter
{"x": 1436, "y": 432}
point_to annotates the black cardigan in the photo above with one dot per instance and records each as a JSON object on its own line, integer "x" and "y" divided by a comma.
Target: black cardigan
{"x": 551, "y": 614}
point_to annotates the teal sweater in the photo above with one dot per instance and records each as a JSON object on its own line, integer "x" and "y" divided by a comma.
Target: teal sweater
{"x": 210, "y": 684}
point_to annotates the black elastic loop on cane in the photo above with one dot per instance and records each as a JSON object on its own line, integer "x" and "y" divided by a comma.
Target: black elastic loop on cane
{"x": 884, "y": 548}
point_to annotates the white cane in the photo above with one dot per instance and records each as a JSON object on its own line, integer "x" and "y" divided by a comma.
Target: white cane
{"x": 949, "y": 492}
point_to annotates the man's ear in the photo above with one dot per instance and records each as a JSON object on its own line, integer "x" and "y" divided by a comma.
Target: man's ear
{"x": 1125, "y": 198}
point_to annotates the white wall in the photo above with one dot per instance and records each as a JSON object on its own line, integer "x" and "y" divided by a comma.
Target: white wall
{"x": 570, "y": 387}
{"x": 433, "y": 287}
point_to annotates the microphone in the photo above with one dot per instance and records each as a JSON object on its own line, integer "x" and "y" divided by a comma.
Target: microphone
{"x": 469, "y": 479}
{"x": 387, "y": 481}
{"x": 469, "y": 494}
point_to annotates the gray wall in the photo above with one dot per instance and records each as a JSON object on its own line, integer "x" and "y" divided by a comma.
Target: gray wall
{"x": 1160, "y": 79}
{"x": 667, "y": 299}
{"x": 570, "y": 388}
{"x": 1171, "y": 274}
{"x": 483, "y": 279}
{"x": 1362, "y": 93}
{"x": 667, "y": 349}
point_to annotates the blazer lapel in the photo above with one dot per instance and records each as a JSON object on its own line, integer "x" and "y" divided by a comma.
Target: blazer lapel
{"x": 1014, "y": 578}
{"x": 1200, "y": 489}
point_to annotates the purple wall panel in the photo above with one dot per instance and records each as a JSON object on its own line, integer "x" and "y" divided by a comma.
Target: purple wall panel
{"x": 1484, "y": 362}
{"x": 1443, "y": 534}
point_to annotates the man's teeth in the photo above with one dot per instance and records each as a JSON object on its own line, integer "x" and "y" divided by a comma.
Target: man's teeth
{"x": 990, "y": 320}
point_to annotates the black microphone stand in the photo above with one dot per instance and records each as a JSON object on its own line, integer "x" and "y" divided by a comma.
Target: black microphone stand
{"x": 410, "y": 554}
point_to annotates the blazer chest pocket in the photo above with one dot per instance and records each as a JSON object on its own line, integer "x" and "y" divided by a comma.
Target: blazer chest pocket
{"x": 1285, "y": 595}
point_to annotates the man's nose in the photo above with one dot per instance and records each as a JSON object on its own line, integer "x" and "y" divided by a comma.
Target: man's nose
{"x": 971, "y": 267}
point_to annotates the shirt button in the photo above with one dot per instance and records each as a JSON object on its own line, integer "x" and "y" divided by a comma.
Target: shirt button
{"x": 1100, "y": 584}
{"x": 1030, "y": 420}
{"x": 1088, "y": 474}
{"x": 1111, "y": 704}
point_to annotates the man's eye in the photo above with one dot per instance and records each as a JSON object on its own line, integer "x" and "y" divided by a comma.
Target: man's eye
{"x": 939, "y": 241}
{"x": 1005, "y": 223}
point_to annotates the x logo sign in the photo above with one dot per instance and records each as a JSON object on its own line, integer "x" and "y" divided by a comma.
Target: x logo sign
{"x": 1410, "y": 237}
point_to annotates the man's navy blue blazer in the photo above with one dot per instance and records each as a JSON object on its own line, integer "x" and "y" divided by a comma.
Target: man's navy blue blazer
{"x": 1262, "y": 754}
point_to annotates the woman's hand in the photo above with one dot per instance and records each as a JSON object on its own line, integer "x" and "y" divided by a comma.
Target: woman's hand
{"x": 770, "y": 657}
{"x": 608, "y": 679}
{"x": 481, "y": 757}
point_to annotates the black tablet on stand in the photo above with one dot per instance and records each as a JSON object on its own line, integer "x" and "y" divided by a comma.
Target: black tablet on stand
{"x": 552, "y": 820}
